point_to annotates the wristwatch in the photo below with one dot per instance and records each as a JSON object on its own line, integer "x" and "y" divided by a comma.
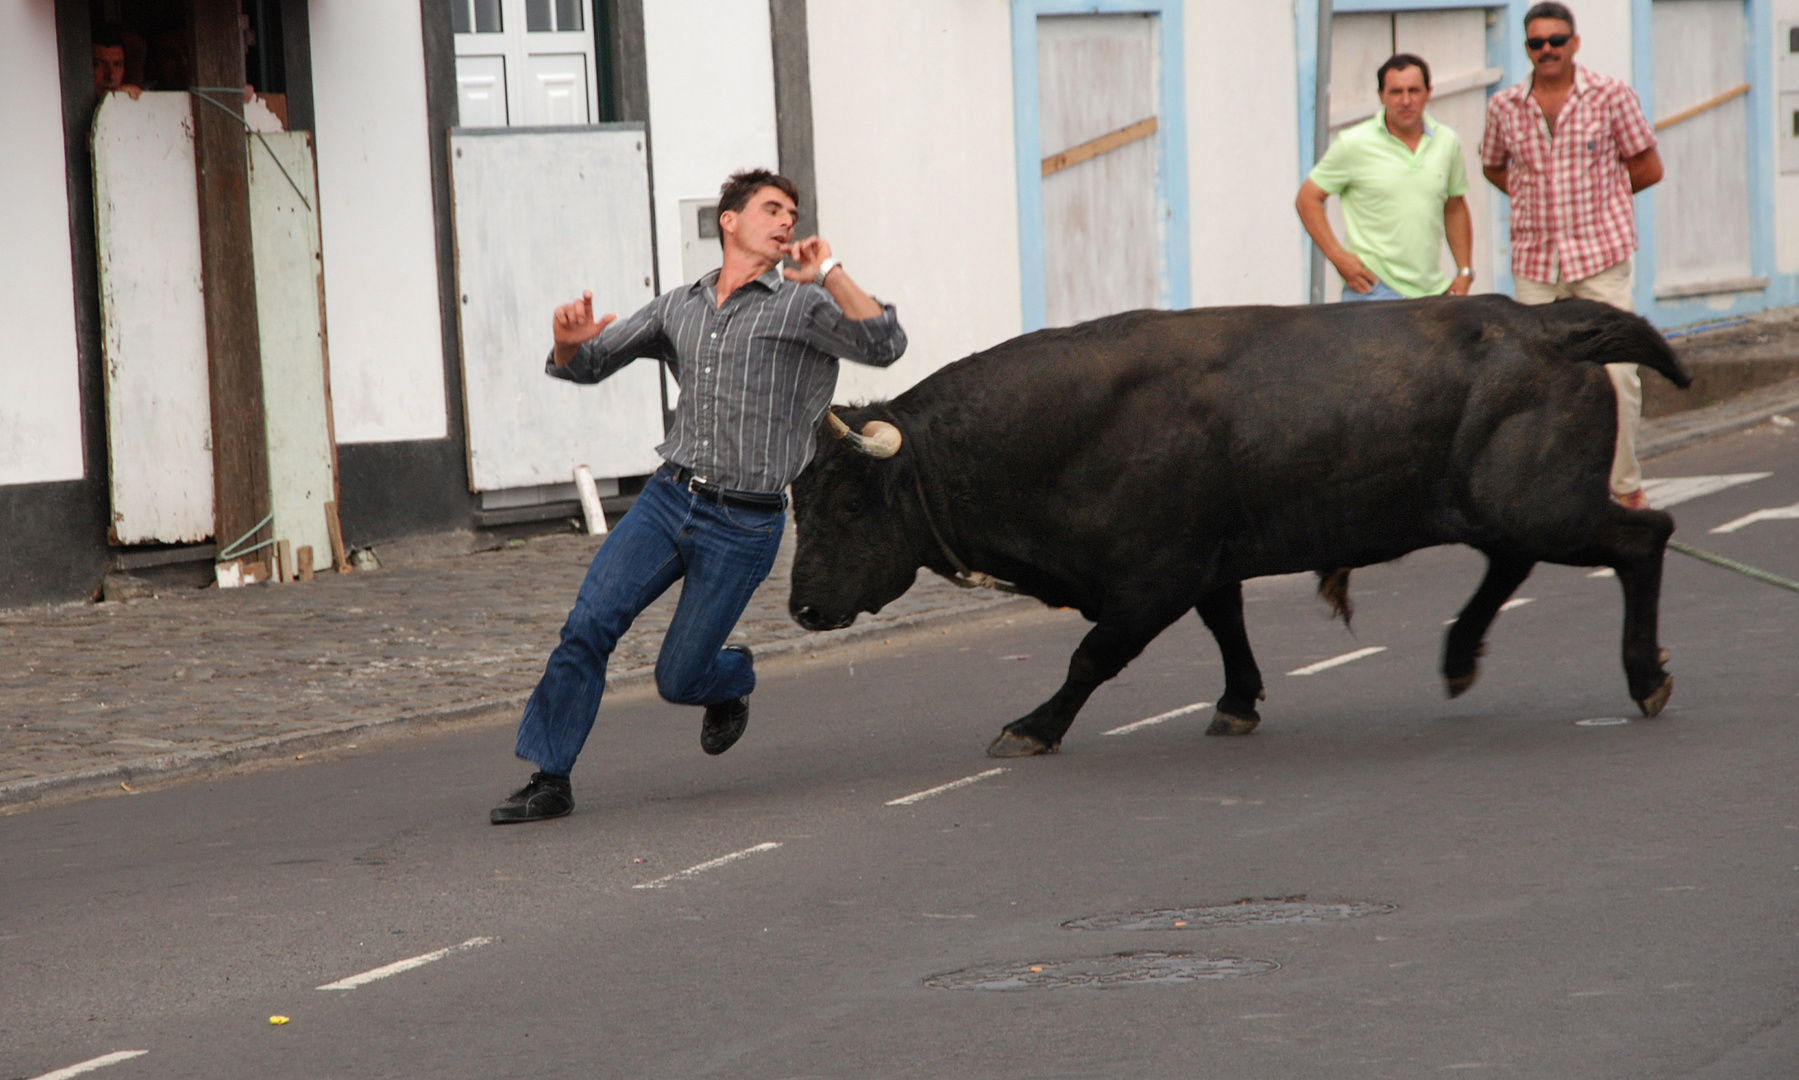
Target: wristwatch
{"x": 1467, "y": 272}
{"x": 825, "y": 268}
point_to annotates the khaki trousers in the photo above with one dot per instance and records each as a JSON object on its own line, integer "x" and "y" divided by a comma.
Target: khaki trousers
{"x": 1608, "y": 286}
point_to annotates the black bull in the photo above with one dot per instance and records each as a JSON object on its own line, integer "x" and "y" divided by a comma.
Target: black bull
{"x": 1143, "y": 465}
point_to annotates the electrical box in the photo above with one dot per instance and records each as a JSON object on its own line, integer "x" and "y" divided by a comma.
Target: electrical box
{"x": 1788, "y": 43}
{"x": 701, "y": 252}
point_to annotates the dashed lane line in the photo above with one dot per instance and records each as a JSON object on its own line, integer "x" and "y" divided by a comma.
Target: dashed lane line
{"x": 1159, "y": 718}
{"x": 398, "y": 966}
{"x": 1335, "y": 661}
{"x": 1666, "y": 491}
{"x": 710, "y": 864}
{"x": 91, "y": 1064}
{"x": 1772, "y": 513}
{"x": 916, "y": 796}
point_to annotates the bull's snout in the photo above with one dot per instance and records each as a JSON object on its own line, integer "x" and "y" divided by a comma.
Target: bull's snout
{"x": 813, "y": 619}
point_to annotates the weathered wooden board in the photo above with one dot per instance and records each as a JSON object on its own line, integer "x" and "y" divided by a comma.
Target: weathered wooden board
{"x": 542, "y": 215}
{"x": 284, "y": 228}
{"x": 1702, "y": 208}
{"x": 153, "y": 321}
{"x": 1101, "y": 233}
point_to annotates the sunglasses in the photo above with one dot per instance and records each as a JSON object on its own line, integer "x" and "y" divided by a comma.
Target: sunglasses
{"x": 1556, "y": 40}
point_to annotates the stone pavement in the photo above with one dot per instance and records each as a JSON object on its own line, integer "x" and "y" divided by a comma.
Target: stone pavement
{"x": 94, "y": 695}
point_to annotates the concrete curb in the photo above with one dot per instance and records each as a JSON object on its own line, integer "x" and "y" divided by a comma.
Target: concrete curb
{"x": 20, "y": 793}
{"x": 1667, "y": 434}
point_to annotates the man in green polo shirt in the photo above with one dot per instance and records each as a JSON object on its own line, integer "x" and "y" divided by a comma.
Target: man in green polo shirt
{"x": 1401, "y": 178}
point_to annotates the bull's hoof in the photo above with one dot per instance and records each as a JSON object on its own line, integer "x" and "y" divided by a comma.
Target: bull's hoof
{"x": 1657, "y": 701}
{"x": 1012, "y": 744}
{"x": 1224, "y": 723}
{"x": 1459, "y": 684}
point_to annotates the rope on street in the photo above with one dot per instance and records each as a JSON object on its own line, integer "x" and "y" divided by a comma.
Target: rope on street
{"x": 1731, "y": 564}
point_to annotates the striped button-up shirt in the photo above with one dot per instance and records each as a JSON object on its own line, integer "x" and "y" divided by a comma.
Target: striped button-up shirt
{"x": 756, "y": 375}
{"x": 1570, "y": 192}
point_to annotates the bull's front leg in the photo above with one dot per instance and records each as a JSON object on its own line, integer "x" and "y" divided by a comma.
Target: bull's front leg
{"x": 1103, "y": 653}
{"x": 1222, "y": 611}
{"x": 1639, "y": 538}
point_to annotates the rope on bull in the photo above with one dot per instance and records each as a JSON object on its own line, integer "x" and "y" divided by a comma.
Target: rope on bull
{"x": 1731, "y": 564}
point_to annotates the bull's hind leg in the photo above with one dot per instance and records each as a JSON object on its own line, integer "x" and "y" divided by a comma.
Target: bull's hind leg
{"x": 1103, "y": 653}
{"x": 1638, "y": 539}
{"x": 1235, "y": 714}
{"x": 1464, "y": 644}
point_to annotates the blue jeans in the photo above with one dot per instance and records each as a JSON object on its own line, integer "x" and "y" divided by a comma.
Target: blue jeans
{"x": 670, "y": 533}
{"x": 1381, "y": 291}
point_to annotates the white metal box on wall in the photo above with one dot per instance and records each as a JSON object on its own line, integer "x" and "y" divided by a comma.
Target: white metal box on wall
{"x": 542, "y": 214}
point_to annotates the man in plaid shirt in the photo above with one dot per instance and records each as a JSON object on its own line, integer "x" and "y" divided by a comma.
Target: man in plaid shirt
{"x": 1570, "y": 146}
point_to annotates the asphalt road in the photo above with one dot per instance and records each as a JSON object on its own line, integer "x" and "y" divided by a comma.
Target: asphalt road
{"x": 1598, "y": 900}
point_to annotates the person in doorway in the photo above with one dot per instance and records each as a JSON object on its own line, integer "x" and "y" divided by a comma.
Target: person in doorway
{"x": 109, "y": 63}
{"x": 1402, "y": 180}
{"x": 755, "y": 348}
{"x": 1570, "y": 146}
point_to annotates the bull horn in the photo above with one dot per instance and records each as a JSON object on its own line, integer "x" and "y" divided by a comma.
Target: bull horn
{"x": 879, "y": 439}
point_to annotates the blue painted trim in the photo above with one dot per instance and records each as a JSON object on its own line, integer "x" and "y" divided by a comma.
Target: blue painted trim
{"x": 1642, "y": 79}
{"x": 1171, "y": 147}
{"x": 1359, "y": 7}
{"x": 1758, "y": 45}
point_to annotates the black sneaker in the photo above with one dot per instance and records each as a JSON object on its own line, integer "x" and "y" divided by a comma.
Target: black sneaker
{"x": 726, "y": 720}
{"x": 543, "y": 798}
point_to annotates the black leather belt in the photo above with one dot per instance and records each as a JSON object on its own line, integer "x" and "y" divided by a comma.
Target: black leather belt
{"x": 719, "y": 496}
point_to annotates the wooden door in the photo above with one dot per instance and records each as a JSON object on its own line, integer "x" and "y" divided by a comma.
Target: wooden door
{"x": 1102, "y": 240}
{"x": 524, "y": 63}
{"x": 1702, "y": 206}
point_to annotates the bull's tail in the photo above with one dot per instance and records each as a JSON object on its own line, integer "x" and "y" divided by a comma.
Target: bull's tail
{"x": 1333, "y": 589}
{"x": 1595, "y": 333}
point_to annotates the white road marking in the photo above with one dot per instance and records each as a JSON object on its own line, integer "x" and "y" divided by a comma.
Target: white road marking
{"x": 1666, "y": 491}
{"x": 1773, "y": 513}
{"x": 1509, "y": 605}
{"x": 91, "y": 1064}
{"x": 398, "y": 966}
{"x": 908, "y": 800}
{"x": 1602, "y": 721}
{"x": 1184, "y": 710}
{"x": 1324, "y": 665}
{"x": 710, "y": 864}
{"x": 1604, "y": 571}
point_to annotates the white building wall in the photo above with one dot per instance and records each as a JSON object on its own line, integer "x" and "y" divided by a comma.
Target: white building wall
{"x": 1243, "y": 154}
{"x": 40, "y": 408}
{"x": 1605, "y": 43}
{"x": 375, "y": 213}
{"x": 918, "y": 192}
{"x": 712, "y": 106}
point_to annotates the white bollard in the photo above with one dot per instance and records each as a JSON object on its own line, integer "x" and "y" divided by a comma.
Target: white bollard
{"x": 590, "y": 501}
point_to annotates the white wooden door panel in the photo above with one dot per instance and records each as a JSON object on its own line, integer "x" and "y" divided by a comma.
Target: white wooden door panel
{"x": 284, "y": 231}
{"x": 153, "y": 320}
{"x": 1360, "y": 43}
{"x": 541, "y": 216}
{"x": 481, "y": 91}
{"x": 556, "y": 89}
{"x": 1702, "y": 206}
{"x": 1101, "y": 235}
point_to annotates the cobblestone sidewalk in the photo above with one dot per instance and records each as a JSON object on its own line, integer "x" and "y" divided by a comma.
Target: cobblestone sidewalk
{"x": 92, "y": 695}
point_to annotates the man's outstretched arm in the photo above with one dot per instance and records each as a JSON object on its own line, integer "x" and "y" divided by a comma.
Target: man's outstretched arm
{"x": 588, "y": 349}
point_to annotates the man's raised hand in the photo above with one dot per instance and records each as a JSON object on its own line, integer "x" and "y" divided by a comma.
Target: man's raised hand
{"x": 574, "y": 324}
{"x": 808, "y": 253}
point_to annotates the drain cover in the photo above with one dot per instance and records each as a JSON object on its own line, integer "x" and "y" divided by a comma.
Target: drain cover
{"x": 1245, "y": 913}
{"x": 1122, "y": 969}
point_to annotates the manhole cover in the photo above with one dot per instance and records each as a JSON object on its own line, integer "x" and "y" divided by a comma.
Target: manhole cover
{"x": 1122, "y": 969}
{"x": 1243, "y": 913}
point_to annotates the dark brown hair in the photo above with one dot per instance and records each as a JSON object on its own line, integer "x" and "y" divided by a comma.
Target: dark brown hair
{"x": 1399, "y": 62}
{"x": 1550, "y": 10}
{"x": 736, "y": 192}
